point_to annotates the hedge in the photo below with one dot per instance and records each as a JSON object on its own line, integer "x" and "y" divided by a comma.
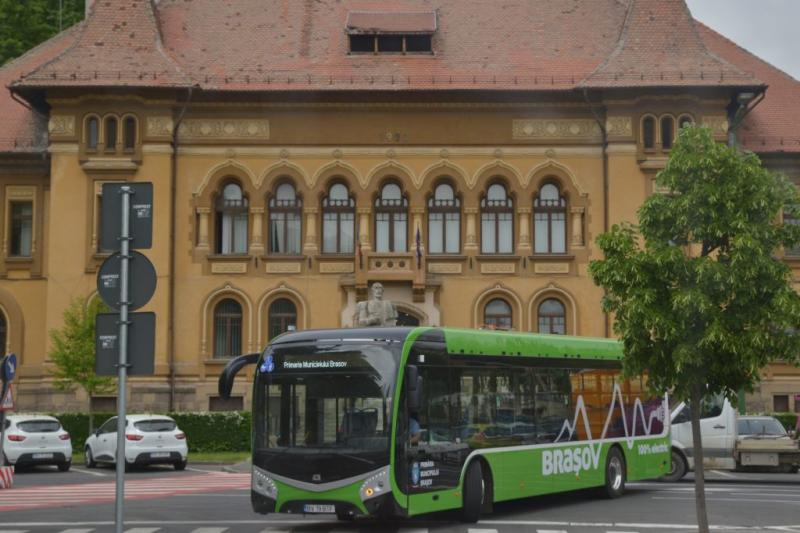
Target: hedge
{"x": 789, "y": 420}
{"x": 224, "y": 431}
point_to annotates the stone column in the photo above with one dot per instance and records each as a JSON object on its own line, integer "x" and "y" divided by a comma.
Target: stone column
{"x": 257, "y": 240}
{"x": 577, "y": 226}
{"x": 524, "y": 245}
{"x": 364, "y": 214}
{"x": 417, "y": 214}
{"x": 471, "y": 239}
{"x": 203, "y": 214}
{"x": 310, "y": 246}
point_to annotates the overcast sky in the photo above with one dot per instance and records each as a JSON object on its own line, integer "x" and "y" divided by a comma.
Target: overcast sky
{"x": 768, "y": 28}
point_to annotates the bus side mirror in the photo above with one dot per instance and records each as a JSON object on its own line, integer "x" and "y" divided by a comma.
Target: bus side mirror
{"x": 225, "y": 385}
{"x": 414, "y": 386}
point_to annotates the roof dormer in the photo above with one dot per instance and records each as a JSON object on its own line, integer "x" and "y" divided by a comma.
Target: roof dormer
{"x": 378, "y": 32}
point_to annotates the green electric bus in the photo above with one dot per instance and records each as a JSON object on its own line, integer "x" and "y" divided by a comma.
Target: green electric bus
{"x": 405, "y": 421}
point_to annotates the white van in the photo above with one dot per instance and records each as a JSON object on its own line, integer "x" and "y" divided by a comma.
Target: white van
{"x": 722, "y": 449}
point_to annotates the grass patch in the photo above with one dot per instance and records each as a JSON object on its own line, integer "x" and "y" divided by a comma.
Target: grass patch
{"x": 196, "y": 457}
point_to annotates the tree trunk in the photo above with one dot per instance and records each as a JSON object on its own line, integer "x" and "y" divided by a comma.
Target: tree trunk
{"x": 697, "y": 443}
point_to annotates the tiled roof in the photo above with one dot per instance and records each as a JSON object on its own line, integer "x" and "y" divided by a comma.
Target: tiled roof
{"x": 660, "y": 47}
{"x": 289, "y": 45}
{"x": 391, "y": 22}
{"x": 774, "y": 124}
{"x": 119, "y": 44}
{"x": 21, "y": 129}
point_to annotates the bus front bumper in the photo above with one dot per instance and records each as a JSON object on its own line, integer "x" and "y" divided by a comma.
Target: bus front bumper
{"x": 367, "y": 496}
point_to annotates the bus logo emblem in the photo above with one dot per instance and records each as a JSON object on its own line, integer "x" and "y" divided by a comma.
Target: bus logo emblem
{"x": 268, "y": 365}
{"x": 316, "y": 477}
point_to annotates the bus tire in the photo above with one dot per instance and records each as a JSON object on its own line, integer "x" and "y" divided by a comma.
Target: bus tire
{"x": 474, "y": 490}
{"x": 615, "y": 474}
{"x": 678, "y": 467}
{"x": 344, "y": 516}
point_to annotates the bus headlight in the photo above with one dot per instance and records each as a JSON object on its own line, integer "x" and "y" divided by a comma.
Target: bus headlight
{"x": 375, "y": 485}
{"x": 263, "y": 484}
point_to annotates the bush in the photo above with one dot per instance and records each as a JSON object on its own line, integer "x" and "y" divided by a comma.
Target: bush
{"x": 789, "y": 420}
{"x": 227, "y": 431}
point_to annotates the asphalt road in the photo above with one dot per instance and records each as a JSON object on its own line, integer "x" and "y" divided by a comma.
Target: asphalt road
{"x": 203, "y": 499}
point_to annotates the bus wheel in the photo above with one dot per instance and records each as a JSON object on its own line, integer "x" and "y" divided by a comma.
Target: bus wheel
{"x": 678, "y": 467}
{"x": 474, "y": 490}
{"x": 345, "y": 516}
{"x": 615, "y": 474}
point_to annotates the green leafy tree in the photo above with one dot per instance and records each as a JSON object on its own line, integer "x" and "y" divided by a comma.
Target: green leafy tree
{"x": 73, "y": 351}
{"x": 26, "y": 23}
{"x": 701, "y": 300}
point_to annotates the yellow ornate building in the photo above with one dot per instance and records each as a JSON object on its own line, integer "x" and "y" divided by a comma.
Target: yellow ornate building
{"x": 467, "y": 158}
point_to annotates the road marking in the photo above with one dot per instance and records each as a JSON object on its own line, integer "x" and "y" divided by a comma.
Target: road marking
{"x": 210, "y": 530}
{"x": 551, "y": 531}
{"x": 142, "y": 530}
{"x": 723, "y": 474}
{"x": 716, "y": 499}
{"x": 89, "y": 530}
{"x": 473, "y": 530}
{"x": 89, "y": 472}
{"x": 202, "y": 470}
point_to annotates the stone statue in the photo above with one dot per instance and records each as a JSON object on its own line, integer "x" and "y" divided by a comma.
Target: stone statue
{"x": 376, "y": 311}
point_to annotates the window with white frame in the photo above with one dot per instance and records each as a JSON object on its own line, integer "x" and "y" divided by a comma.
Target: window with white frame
{"x": 391, "y": 220}
{"x": 549, "y": 221}
{"x": 285, "y": 215}
{"x": 444, "y": 221}
{"x": 338, "y": 221}
{"x": 497, "y": 221}
{"x": 231, "y": 220}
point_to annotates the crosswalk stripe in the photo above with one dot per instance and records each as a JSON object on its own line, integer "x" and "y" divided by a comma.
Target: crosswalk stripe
{"x": 210, "y": 530}
{"x": 142, "y": 530}
{"x": 551, "y": 531}
{"x": 473, "y": 530}
{"x": 89, "y": 530}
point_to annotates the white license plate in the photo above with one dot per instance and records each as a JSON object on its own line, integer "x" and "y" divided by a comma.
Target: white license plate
{"x": 159, "y": 454}
{"x": 317, "y": 508}
{"x": 43, "y": 456}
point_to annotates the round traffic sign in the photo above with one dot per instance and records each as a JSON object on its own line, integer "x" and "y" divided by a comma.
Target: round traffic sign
{"x": 141, "y": 280}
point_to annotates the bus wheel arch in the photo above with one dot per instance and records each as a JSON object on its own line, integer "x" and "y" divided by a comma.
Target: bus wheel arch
{"x": 616, "y": 472}
{"x": 679, "y": 465}
{"x": 476, "y": 489}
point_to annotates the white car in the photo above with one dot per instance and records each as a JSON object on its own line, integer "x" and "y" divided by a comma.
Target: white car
{"x": 36, "y": 440}
{"x": 149, "y": 439}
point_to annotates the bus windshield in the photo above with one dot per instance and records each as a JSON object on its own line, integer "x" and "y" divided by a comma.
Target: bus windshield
{"x": 324, "y": 410}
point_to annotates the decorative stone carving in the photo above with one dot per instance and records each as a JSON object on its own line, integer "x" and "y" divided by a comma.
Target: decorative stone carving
{"x": 284, "y": 268}
{"x": 619, "y": 127}
{"x": 498, "y": 268}
{"x": 61, "y": 125}
{"x": 376, "y": 311}
{"x": 555, "y": 129}
{"x": 284, "y": 153}
{"x": 336, "y": 268}
{"x": 228, "y": 268}
{"x": 159, "y": 126}
{"x": 445, "y": 268}
{"x": 717, "y": 123}
{"x": 551, "y": 268}
{"x": 238, "y": 128}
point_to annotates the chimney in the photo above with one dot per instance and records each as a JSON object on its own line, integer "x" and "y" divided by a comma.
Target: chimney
{"x": 87, "y": 8}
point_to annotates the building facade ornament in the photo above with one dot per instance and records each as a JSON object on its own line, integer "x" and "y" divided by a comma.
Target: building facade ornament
{"x": 619, "y": 126}
{"x": 535, "y": 129}
{"x": 375, "y": 311}
{"x": 61, "y": 125}
{"x": 159, "y": 126}
{"x": 232, "y": 128}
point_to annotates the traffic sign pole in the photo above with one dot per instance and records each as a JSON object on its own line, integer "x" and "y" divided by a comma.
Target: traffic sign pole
{"x": 125, "y": 191}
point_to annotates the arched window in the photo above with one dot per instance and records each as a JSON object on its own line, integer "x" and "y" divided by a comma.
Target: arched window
{"x": 497, "y": 314}
{"x": 444, "y": 221}
{"x": 285, "y": 215}
{"x": 391, "y": 220}
{"x": 129, "y": 133}
{"x": 552, "y": 317}
{"x": 282, "y": 317}
{"x": 667, "y": 132}
{"x": 92, "y": 133}
{"x": 649, "y": 133}
{"x": 497, "y": 221}
{"x": 231, "y": 219}
{"x": 685, "y": 120}
{"x": 338, "y": 221}
{"x": 111, "y": 134}
{"x": 549, "y": 221}
{"x": 227, "y": 328}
